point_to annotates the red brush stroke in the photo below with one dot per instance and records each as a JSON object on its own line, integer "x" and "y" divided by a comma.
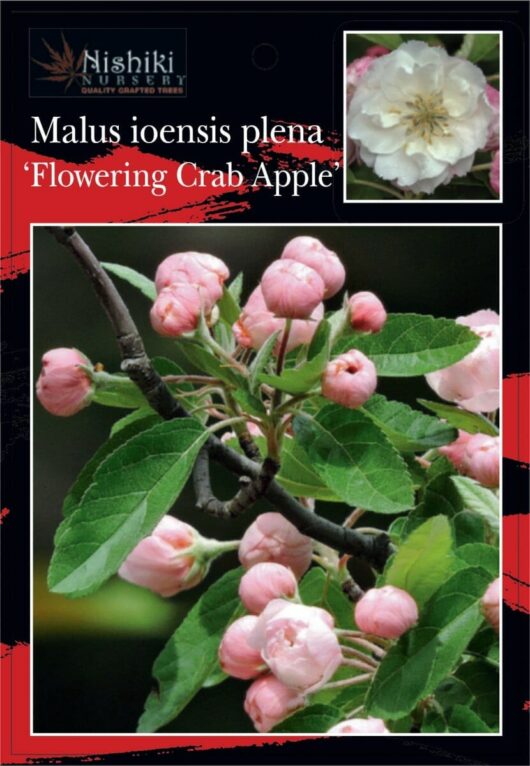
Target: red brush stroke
{"x": 3, "y": 513}
{"x": 94, "y": 204}
{"x": 20, "y": 746}
{"x": 516, "y": 417}
{"x": 24, "y": 205}
{"x": 516, "y": 566}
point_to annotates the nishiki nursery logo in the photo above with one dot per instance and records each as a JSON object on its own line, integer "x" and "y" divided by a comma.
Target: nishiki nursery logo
{"x": 107, "y": 63}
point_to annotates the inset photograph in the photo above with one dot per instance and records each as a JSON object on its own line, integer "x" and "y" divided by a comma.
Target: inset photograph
{"x": 266, "y": 469}
{"x": 423, "y": 116}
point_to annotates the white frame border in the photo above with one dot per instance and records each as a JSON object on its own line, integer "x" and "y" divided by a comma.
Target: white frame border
{"x": 393, "y": 200}
{"x": 305, "y": 735}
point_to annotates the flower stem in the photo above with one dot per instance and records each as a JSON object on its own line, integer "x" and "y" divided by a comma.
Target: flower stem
{"x": 358, "y": 664}
{"x": 191, "y": 379}
{"x": 380, "y": 187}
{"x": 493, "y": 77}
{"x": 228, "y": 422}
{"x": 360, "y": 655}
{"x": 483, "y": 166}
{"x": 353, "y": 518}
{"x": 348, "y": 681}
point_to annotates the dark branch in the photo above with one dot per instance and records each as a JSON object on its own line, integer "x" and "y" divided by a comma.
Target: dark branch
{"x": 251, "y": 489}
{"x": 373, "y": 548}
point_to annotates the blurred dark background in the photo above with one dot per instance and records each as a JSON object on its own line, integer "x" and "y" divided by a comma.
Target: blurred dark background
{"x": 93, "y": 657}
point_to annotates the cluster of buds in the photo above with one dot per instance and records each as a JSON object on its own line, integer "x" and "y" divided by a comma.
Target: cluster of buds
{"x": 291, "y": 650}
{"x": 187, "y": 284}
{"x": 292, "y": 289}
{"x": 173, "y": 558}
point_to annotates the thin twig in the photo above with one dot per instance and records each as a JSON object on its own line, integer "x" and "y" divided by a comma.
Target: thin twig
{"x": 138, "y": 367}
{"x": 360, "y": 655}
{"x": 348, "y": 681}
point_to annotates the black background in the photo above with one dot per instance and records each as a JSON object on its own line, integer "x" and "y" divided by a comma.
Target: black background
{"x": 305, "y": 86}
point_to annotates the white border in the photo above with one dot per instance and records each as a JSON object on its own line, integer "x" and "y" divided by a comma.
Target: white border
{"x": 393, "y": 200}
{"x": 31, "y": 379}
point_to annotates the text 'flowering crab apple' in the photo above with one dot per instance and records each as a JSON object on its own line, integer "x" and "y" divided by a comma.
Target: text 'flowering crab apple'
{"x": 281, "y": 398}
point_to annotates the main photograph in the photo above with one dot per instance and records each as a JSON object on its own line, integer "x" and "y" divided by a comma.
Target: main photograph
{"x": 266, "y": 468}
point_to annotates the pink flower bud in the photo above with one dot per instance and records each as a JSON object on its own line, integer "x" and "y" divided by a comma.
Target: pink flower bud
{"x": 473, "y": 382}
{"x": 205, "y": 272}
{"x": 298, "y": 644}
{"x": 367, "y": 313}
{"x": 481, "y": 459}
{"x": 360, "y": 726}
{"x": 291, "y": 289}
{"x": 350, "y": 379}
{"x": 312, "y": 253}
{"x": 63, "y": 388}
{"x": 272, "y": 538}
{"x": 165, "y": 562}
{"x": 176, "y": 310}
{"x": 491, "y": 604}
{"x": 387, "y": 612}
{"x": 256, "y": 324}
{"x": 455, "y": 451}
{"x": 268, "y": 702}
{"x": 495, "y": 173}
{"x": 493, "y": 97}
{"x": 263, "y": 583}
{"x": 236, "y": 656}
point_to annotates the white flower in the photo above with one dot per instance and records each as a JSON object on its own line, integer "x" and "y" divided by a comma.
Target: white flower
{"x": 419, "y": 115}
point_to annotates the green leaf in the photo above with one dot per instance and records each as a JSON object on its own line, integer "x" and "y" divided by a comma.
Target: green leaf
{"x": 216, "y": 677}
{"x": 439, "y": 496}
{"x": 433, "y": 722}
{"x": 131, "y": 490}
{"x": 485, "y": 644}
{"x": 477, "y": 46}
{"x": 451, "y": 691}
{"x": 468, "y": 528}
{"x": 462, "y": 719}
{"x": 250, "y": 404}
{"x": 424, "y": 561}
{"x": 190, "y": 656}
{"x": 472, "y": 422}
{"x": 118, "y": 437}
{"x": 413, "y": 344}
{"x": 260, "y": 361}
{"x": 388, "y": 40}
{"x": 117, "y": 390}
{"x": 424, "y": 656}
{"x": 300, "y": 379}
{"x": 478, "y": 499}
{"x": 355, "y": 460}
{"x": 229, "y": 308}
{"x": 316, "y": 589}
{"x": 204, "y": 360}
{"x": 313, "y": 718}
{"x": 408, "y": 429}
{"x": 480, "y": 555}
{"x": 482, "y": 680}
{"x": 134, "y": 278}
{"x": 235, "y": 288}
{"x": 298, "y": 476}
{"x": 131, "y": 417}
